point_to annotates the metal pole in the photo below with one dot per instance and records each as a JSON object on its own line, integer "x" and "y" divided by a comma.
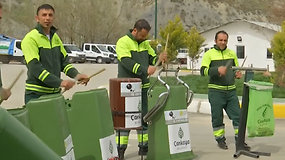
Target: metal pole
{"x": 155, "y": 20}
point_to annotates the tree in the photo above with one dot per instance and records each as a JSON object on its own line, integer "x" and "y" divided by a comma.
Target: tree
{"x": 177, "y": 37}
{"x": 278, "y": 50}
{"x": 194, "y": 43}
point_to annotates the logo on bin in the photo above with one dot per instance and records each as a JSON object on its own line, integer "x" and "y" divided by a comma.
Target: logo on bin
{"x": 129, "y": 87}
{"x": 264, "y": 109}
{"x": 180, "y": 133}
{"x": 111, "y": 147}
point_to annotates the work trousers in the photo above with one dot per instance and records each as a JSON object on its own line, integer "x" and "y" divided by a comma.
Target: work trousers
{"x": 223, "y": 100}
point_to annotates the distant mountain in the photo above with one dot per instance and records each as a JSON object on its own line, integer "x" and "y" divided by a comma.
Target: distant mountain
{"x": 105, "y": 21}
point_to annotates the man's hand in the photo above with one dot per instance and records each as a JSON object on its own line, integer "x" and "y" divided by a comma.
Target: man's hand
{"x": 67, "y": 84}
{"x": 82, "y": 79}
{"x": 4, "y": 93}
{"x": 238, "y": 74}
{"x": 222, "y": 70}
{"x": 151, "y": 70}
{"x": 163, "y": 56}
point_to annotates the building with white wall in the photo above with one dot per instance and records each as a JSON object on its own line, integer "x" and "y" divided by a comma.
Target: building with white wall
{"x": 248, "y": 39}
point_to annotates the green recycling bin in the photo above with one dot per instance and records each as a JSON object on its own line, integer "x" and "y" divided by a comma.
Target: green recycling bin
{"x": 18, "y": 142}
{"x": 48, "y": 120}
{"x": 260, "y": 120}
{"x": 21, "y": 114}
{"x": 91, "y": 125}
{"x": 168, "y": 129}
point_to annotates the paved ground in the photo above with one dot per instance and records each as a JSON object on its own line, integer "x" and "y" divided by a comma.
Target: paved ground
{"x": 203, "y": 144}
{"x": 205, "y": 147}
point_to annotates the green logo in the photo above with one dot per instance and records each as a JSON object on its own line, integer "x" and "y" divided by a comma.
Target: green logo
{"x": 111, "y": 147}
{"x": 180, "y": 133}
{"x": 264, "y": 109}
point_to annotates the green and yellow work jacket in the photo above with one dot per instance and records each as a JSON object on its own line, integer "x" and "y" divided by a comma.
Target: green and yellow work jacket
{"x": 46, "y": 58}
{"x": 134, "y": 58}
{"x": 215, "y": 58}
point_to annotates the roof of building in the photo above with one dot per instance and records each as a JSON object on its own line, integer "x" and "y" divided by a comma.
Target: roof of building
{"x": 266, "y": 25}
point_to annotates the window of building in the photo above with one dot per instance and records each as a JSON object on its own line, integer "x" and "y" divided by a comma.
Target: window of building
{"x": 240, "y": 52}
{"x": 269, "y": 54}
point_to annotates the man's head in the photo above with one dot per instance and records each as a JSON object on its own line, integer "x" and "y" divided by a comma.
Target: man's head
{"x": 141, "y": 29}
{"x": 0, "y": 10}
{"x": 221, "y": 39}
{"x": 45, "y": 16}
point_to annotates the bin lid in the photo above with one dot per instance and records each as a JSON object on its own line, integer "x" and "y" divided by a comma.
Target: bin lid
{"x": 259, "y": 85}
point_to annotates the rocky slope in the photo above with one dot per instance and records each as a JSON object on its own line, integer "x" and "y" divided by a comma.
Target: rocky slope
{"x": 105, "y": 21}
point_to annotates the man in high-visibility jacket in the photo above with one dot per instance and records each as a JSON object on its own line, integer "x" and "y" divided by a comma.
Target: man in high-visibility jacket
{"x": 4, "y": 93}
{"x": 216, "y": 64}
{"x": 136, "y": 60}
{"x": 46, "y": 58}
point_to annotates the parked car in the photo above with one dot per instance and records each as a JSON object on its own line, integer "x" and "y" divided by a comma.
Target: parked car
{"x": 74, "y": 53}
{"x": 97, "y": 53}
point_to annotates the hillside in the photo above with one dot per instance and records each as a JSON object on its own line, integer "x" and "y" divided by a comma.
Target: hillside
{"x": 105, "y": 21}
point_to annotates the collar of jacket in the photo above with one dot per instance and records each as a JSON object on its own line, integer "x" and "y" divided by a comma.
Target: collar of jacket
{"x": 40, "y": 29}
{"x": 132, "y": 37}
{"x": 217, "y": 48}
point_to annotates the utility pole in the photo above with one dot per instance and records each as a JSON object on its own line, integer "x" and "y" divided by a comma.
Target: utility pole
{"x": 155, "y": 20}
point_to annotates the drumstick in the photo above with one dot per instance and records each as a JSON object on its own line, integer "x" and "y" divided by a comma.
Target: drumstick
{"x": 243, "y": 61}
{"x": 102, "y": 70}
{"x": 88, "y": 78}
{"x": 165, "y": 49}
{"x": 15, "y": 80}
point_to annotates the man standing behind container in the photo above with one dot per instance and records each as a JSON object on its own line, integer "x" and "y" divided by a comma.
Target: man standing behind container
{"x": 46, "y": 58}
{"x": 4, "y": 93}
{"x": 136, "y": 60}
{"x": 216, "y": 63}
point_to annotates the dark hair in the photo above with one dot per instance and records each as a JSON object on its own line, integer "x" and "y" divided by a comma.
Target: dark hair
{"x": 1, "y": 5}
{"x": 142, "y": 24}
{"x": 45, "y": 6}
{"x": 223, "y": 32}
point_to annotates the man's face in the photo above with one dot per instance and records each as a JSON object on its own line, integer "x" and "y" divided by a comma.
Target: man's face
{"x": 140, "y": 35}
{"x": 45, "y": 18}
{"x": 221, "y": 41}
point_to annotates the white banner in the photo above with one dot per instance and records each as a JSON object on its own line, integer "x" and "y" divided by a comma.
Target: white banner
{"x": 108, "y": 147}
{"x": 132, "y": 104}
{"x": 179, "y": 138}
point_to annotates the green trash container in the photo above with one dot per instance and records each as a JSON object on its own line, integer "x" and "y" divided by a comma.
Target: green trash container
{"x": 169, "y": 133}
{"x": 18, "y": 142}
{"x": 260, "y": 120}
{"x": 91, "y": 125}
{"x": 21, "y": 114}
{"x": 48, "y": 120}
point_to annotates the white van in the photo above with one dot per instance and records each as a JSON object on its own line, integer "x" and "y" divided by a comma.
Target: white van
{"x": 74, "y": 53}
{"x": 112, "y": 48}
{"x": 97, "y": 53}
